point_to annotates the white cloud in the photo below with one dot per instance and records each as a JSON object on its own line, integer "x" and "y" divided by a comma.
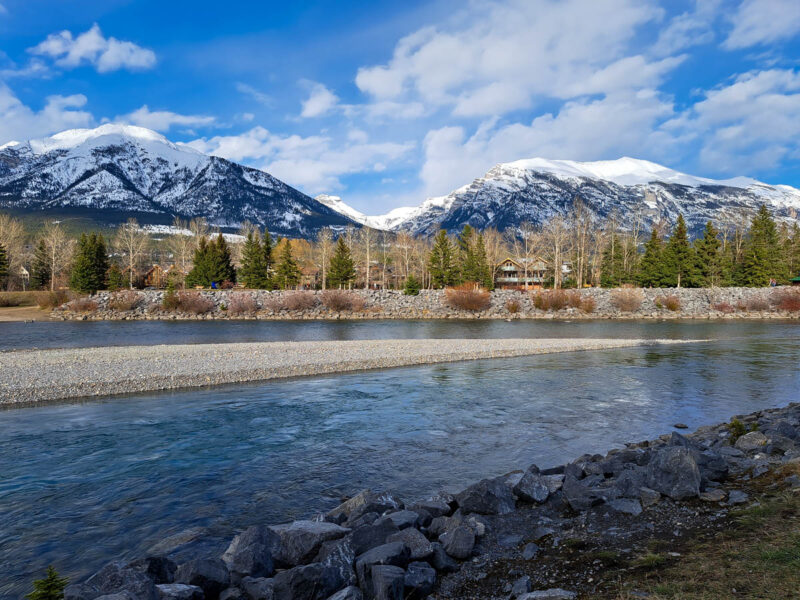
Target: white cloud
{"x": 258, "y": 96}
{"x": 509, "y": 53}
{"x": 691, "y": 28}
{"x": 20, "y": 122}
{"x": 104, "y": 54}
{"x": 319, "y": 102}
{"x": 163, "y": 120}
{"x": 314, "y": 163}
{"x": 763, "y": 21}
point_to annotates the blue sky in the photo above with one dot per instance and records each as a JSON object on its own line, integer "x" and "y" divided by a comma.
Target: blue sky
{"x": 387, "y": 103}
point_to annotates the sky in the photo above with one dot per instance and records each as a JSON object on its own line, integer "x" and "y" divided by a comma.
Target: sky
{"x": 388, "y": 103}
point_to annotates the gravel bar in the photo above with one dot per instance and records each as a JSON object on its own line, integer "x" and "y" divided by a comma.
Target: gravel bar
{"x": 30, "y": 376}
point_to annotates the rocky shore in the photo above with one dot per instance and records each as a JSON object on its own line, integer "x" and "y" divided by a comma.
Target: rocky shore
{"x": 501, "y": 538}
{"x": 31, "y": 376}
{"x": 684, "y": 303}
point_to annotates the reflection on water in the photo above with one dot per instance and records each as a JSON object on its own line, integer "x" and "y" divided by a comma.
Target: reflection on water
{"x": 86, "y": 482}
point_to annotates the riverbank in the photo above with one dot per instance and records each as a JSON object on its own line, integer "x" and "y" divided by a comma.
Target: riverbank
{"x": 594, "y": 303}
{"x": 592, "y": 528}
{"x": 15, "y": 314}
{"x": 32, "y": 376}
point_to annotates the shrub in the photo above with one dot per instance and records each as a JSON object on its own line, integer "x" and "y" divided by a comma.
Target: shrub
{"x": 551, "y": 300}
{"x": 467, "y": 296}
{"x": 82, "y": 305}
{"x": 342, "y": 300}
{"x": 671, "y": 302}
{"x": 737, "y": 429}
{"x": 723, "y": 307}
{"x": 757, "y": 305}
{"x": 299, "y": 301}
{"x": 49, "y": 588}
{"x": 412, "y": 286}
{"x": 242, "y": 304}
{"x": 16, "y": 299}
{"x": 513, "y": 306}
{"x": 125, "y": 300}
{"x": 52, "y": 299}
{"x": 274, "y": 304}
{"x": 227, "y": 285}
{"x": 587, "y": 305}
{"x": 786, "y": 300}
{"x": 188, "y": 302}
{"x": 627, "y": 299}
{"x": 741, "y": 306}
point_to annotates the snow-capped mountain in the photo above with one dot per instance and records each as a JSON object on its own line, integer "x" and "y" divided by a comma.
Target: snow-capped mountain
{"x": 117, "y": 171}
{"x": 536, "y": 189}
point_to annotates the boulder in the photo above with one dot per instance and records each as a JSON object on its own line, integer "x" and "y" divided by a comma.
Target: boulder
{"x": 458, "y": 542}
{"x": 521, "y": 586}
{"x": 648, "y": 497}
{"x": 363, "y": 502}
{"x": 737, "y": 497}
{"x": 530, "y": 551}
{"x": 395, "y": 554}
{"x": 715, "y": 495}
{"x": 258, "y": 588}
{"x": 553, "y": 482}
{"x": 579, "y": 495}
{"x": 117, "y": 577}
{"x": 179, "y": 591}
{"x": 785, "y": 429}
{"x": 627, "y": 506}
{"x": 158, "y": 568}
{"x": 402, "y": 519}
{"x": 233, "y": 593}
{"x": 712, "y": 465}
{"x": 628, "y": 483}
{"x": 306, "y": 582}
{"x": 418, "y": 545}
{"x": 339, "y": 556}
{"x": 348, "y": 593}
{"x": 441, "y": 524}
{"x": 250, "y": 553}
{"x": 371, "y": 536}
{"x": 674, "y": 473}
{"x": 419, "y": 580}
{"x": 441, "y": 561}
{"x": 387, "y": 582}
{"x": 300, "y": 540}
{"x": 755, "y": 440}
{"x": 487, "y": 497}
{"x": 435, "y": 507}
{"x": 211, "y": 575}
{"x": 533, "y": 486}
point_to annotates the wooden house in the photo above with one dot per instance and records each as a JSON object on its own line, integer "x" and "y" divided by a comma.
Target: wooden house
{"x": 520, "y": 273}
{"x": 155, "y": 277}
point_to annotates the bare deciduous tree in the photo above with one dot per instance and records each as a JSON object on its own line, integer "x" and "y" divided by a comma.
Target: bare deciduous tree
{"x": 12, "y": 237}
{"x": 181, "y": 245}
{"x": 59, "y": 251}
{"x": 555, "y": 241}
{"x": 131, "y": 241}
{"x": 324, "y": 249}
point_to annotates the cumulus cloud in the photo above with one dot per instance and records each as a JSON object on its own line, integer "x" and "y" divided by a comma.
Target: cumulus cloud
{"x": 691, "y": 28}
{"x": 313, "y": 163}
{"x": 763, "y": 21}
{"x": 19, "y": 122}
{"x": 163, "y": 120}
{"x": 91, "y": 47}
{"x": 319, "y": 102}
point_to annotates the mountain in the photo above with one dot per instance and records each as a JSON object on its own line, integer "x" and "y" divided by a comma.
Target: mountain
{"x": 536, "y": 189}
{"x": 116, "y": 171}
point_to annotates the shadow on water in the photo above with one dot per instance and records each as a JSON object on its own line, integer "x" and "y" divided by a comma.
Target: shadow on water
{"x": 83, "y": 483}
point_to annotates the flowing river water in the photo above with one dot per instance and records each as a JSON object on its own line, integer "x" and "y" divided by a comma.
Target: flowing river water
{"x": 83, "y": 483}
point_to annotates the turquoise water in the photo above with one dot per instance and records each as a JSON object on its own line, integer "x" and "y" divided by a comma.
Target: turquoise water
{"x": 83, "y": 483}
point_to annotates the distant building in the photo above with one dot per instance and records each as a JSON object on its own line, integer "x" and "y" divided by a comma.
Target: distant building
{"x": 520, "y": 273}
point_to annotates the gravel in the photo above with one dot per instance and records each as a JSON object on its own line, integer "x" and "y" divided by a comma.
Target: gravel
{"x": 30, "y": 376}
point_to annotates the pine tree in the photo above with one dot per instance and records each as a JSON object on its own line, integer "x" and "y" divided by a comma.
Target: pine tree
{"x": 40, "y": 269}
{"x": 212, "y": 263}
{"x": 440, "y": 261}
{"x": 3, "y": 265}
{"x": 253, "y": 272}
{"x": 287, "y": 273}
{"x": 762, "y": 259}
{"x": 342, "y": 271}
{"x": 412, "y": 286}
{"x": 221, "y": 264}
{"x": 201, "y": 272}
{"x": 612, "y": 267}
{"x": 709, "y": 263}
{"x": 483, "y": 270}
{"x": 81, "y": 278}
{"x": 792, "y": 251}
{"x": 651, "y": 273}
{"x": 116, "y": 280}
{"x": 470, "y": 269}
{"x": 49, "y": 588}
{"x": 679, "y": 258}
{"x": 269, "y": 260}
{"x": 100, "y": 259}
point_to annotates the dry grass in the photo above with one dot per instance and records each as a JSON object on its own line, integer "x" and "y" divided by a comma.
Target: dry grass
{"x": 587, "y": 305}
{"x": 124, "y": 300}
{"x": 299, "y": 301}
{"x": 723, "y": 307}
{"x": 242, "y": 304}
{"x": 513, "y": 306}
{"x": 188, "y": 302}
{"x": 671, "y": 302}
{"x": 787, "y": 300}
{"x": 51, "y": 300}
{"x": 8, "y": 299}
{"x": 627, "y": 299}
{"x": 551, "y": 300}
{"x": 82, "y": 305}
{"x": 757, "y": 305}
{"x": 342, "y": 301}
{"x": 467, "y": 296}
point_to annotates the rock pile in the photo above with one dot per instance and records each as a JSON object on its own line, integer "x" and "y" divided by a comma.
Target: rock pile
{"x": 375, "y": 546}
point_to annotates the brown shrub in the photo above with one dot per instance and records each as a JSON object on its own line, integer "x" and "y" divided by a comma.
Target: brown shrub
{"x": 467, "y": 296}
{"x": 723, "y": 307}
{"x": 17, "y": 299}
{"x": 52, "y": 300}
{"x": 342, "y": 300}
{"x": 193, "y": 303}
{"x": 587, "y": 305}
{"x": 273, "y": 303}
{"x": 671, "y": 302}
{"x": 551, "y": 300}
{"x": 757, "y": 305}
{"x": 513, "y": 306}
{"x": 299, "y": 301}
{"x": 124, "y": 300}
{"x": 741, "y": 306}
{"x": 83, "y": 305}
{"x": 627, "y": 299}
{"x": 786, "y": 300}
{"x": 242, "y": 304}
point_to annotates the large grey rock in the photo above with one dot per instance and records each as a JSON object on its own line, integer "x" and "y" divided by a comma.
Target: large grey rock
{"x": 533, "y": 486}
{"x": 339, "y": 556}
{"x": 579, "y": 495}
{"x": 179, "y": 591}
{"x": 306, "y": 582}
{"x": 158, "y": 568}
{"x": 785, "y": 429}
{"x": 551, "y": 594}
{"x": 209, "y": 574}
{"x": 648, "y": 497}
{"x": 628, "y": 483}
{"x": 487, "y": 497}
{"x": 117, "y": 577}
{"x": 628, "y": 506}
{"x": 300, "y": 540}
{"x": 712, "y": 465}
{"x": 554, "y": 482}
{"x": 250, "y": 553}
{"x": 395, "y": 554}
{"x": 371, "y": 536}
{"x": 674, "y": 472}
{"x": 402, "y": 519}
{"x": 418, "y": 545}
{"x": 755, "y": 440}
{"x": 233, "y": 593}
{"x": 348, "y": 593}
{"x": 419, "y": 580}
{"x": 458, "y": 542}
{"x": 364, "y": 502}
{"x": 258, "y": 588}
{"x": 387, "y": 582}
{"x": 441, "y": 561}
{"x": 441, "y": 524}
{"x": 435, "y": 507}
{"x": 521, "y": 586}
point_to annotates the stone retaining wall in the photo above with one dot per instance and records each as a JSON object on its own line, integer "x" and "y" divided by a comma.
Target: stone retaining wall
{"x": 700, "y": 303}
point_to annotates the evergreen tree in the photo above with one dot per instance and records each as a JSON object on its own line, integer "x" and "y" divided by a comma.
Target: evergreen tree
{"x": 100, "y": 259}
{"x": 762, "y": 259}
{"x": 612, "y": 267}
{"x": 49, "y": 588}
{"x": 287, "y": 273}
{"x": 253, "y": 272}
{"x": 115, "y": 278}
{"x": 212, "y": 263}
{"x": 269, "y": 260}
{"x": 679, "y": 258}
{"x": 440, "y": 261}
{"x": 221, "y": 263}
{"x": 412, "y": 286}
{"x": 709, "y": 262}
{"x": 483, "y": 271}
{"x": 468, "y": 258}
{"x": 651, "y": 271}
{"x": 201, "y": 270}
{"x": 792, "y": 251}
{"x": 82, "y": 278}
{"x": 342, "y": 271}
{"x": 3, "y": 265}
{"x": 40, "y": 269}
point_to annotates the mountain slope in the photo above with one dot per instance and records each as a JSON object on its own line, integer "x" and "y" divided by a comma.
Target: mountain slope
{"x": 116, "y": 171}
{"x": 536, "y": 189}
